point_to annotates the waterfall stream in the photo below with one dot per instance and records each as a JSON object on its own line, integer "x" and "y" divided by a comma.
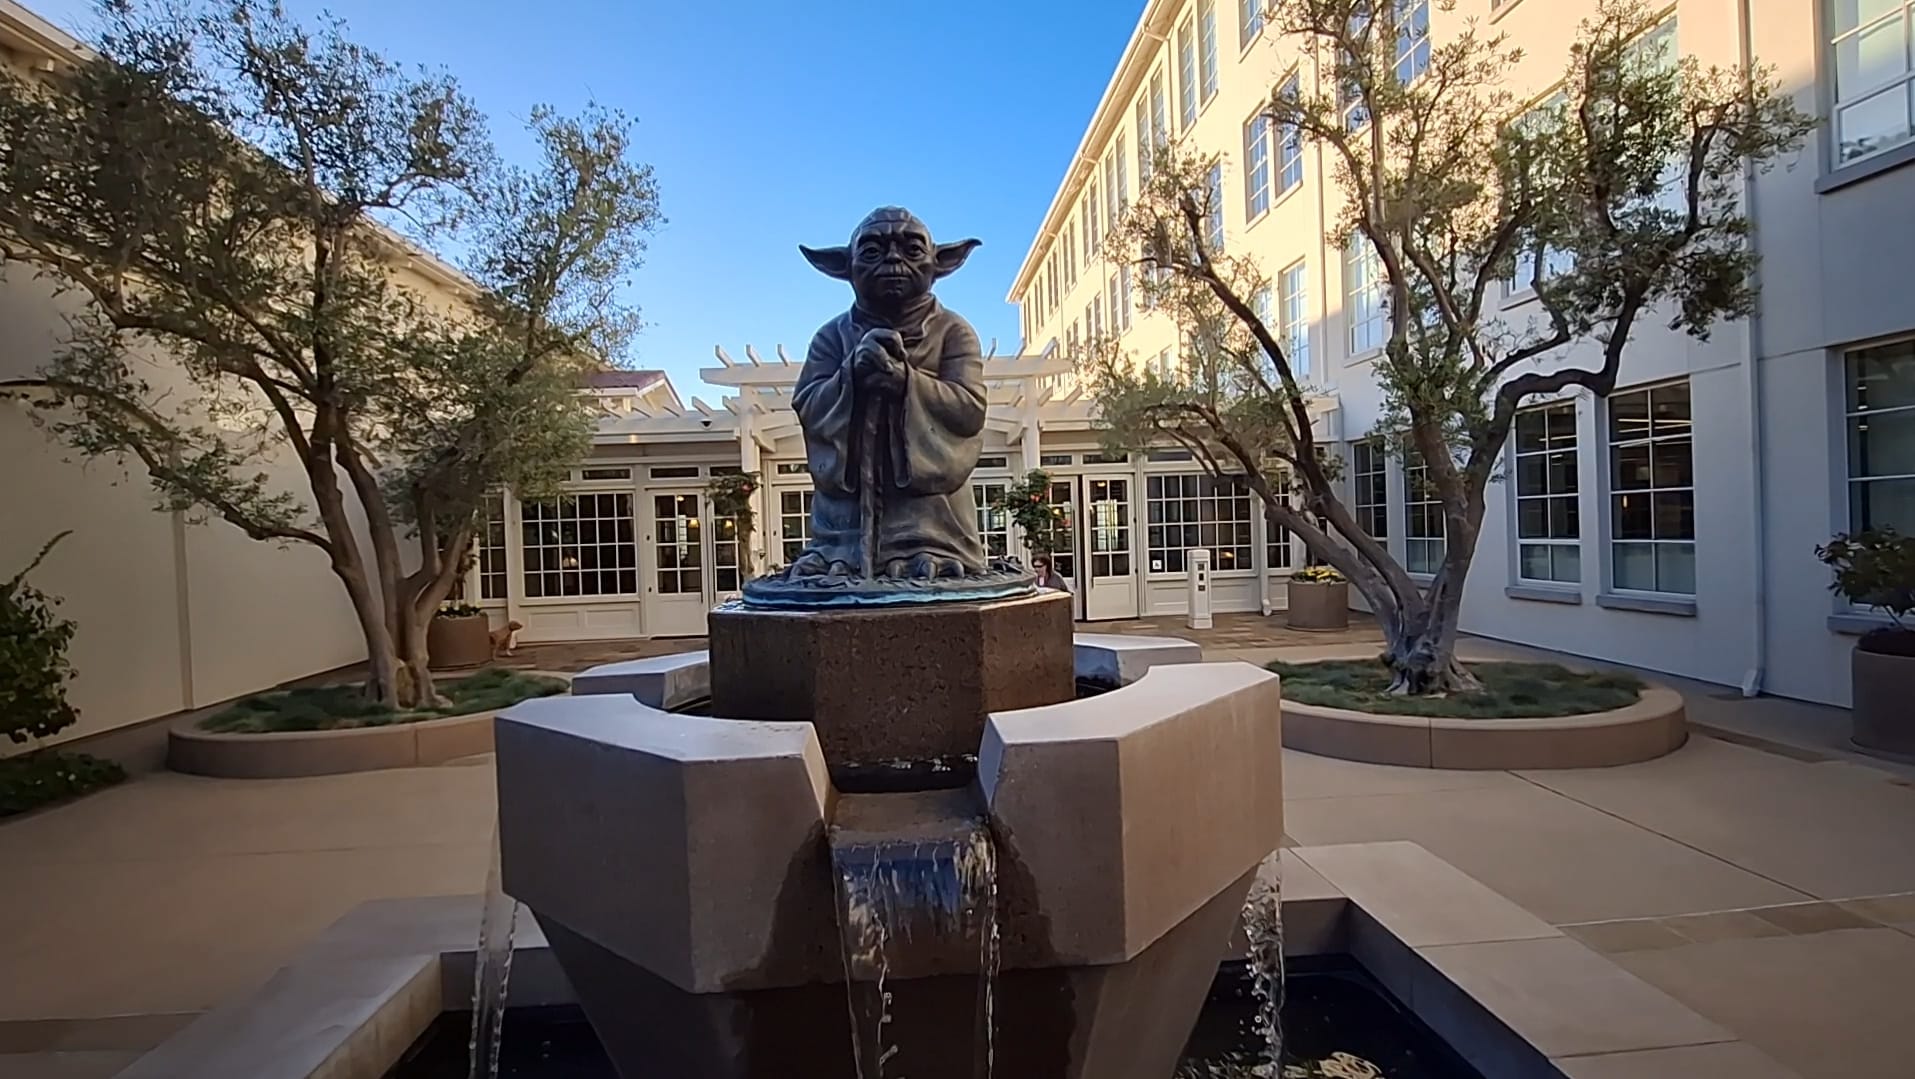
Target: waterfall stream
{"x": 491, "y": 972}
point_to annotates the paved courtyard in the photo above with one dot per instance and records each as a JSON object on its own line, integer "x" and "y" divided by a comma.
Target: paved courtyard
{"x": 1762, "y": 874}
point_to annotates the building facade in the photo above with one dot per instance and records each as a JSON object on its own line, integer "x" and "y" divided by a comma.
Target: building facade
{"x": 1671, "y": 526}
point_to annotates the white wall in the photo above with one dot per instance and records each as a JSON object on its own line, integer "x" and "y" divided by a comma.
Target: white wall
{"x": 171, "y": 615}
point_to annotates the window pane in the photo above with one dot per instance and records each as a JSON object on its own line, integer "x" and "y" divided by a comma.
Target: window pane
{"x": 1563, "y": 523}
{"x": 1531, "y": 430}
{"x": 1846, "y": 15}
{"x": 1870, "y": 58}
{"x": 1675, "y": 513}
{"x": 1631, "y": 518}
{"x": 1628, "y": 416}
{"x": 1669, "y": 408}
{"x": 1882, "y": 445}
{"x": 1881, "y": 377}
{"x": 1562, "y": 473}
{"x": 1635, "y": 566}
{"x": 1676, "y": 568}
{"x": 1535, "y": 562}
{"x": 1883, "y": 504}
{"x": 1671, "y": 464}
{"x": 1631, "y": 471}
{"x": 1873, "y": 123}
{"x": 1532, "y": 518}
{"x": 1566, "y": 563}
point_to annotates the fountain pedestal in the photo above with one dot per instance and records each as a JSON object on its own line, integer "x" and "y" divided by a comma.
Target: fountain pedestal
{"x": 913, "y": 682}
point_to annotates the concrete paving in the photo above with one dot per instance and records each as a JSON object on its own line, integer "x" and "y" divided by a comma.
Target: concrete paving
{"x": 1763, "y": 877}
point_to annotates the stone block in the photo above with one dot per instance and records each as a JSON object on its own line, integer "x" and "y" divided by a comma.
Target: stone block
{"x": 666, "y": 682}
{"x": 691, "y": 846}
{"x": 1122, "y": 814}
{"x": 909, "y": 682}
{"x": 1118, "y": 659}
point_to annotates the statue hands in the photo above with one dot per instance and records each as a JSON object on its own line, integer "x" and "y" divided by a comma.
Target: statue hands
{"x": 878, "y": 361}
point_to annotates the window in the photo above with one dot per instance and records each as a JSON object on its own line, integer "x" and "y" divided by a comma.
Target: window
{"x": 1213, "y": 209}
{"x": 579, "y": 545}
{"x": 1207, "y": 47}
{"x": 793, "y": 468}
{"x": 612, "y": 473}
{"x": 1119, "y": 293}
{"x": 1159, "y": 115}
{"x": 1094, "y": 319}
{"x": 1260, "y": 307}
{"x": 724, "y": 544}
{"x": 667, "y": 472}
{"x": 1070, "y": 256}
{"x": 1054, "y": 460}
{"x": 489, "y": 548}
{"x": 1370, "y": 489}
{"x": 1122, "y": 185}
{"x": 1289, "y": 147}
{"x": 794, "y": 523}
{"x": 1652, "y": 508}
{"x": 1874, "y": 87}
{"x": 1249, "y": 21}
{"x": 1363, "y": 286}
{"x": 1277, "y": 537}
{"x": 1186, "y": 77}
{"x": 1422, "y": 517}
{"x": 1197, "y": 511}
{"x": 1112, "y": 162}
{"x": 1144, "y": 141}
{"x": 1107, "y": 509}
{"x": 1881, "y": 437}
{"x": 1295, "y": 323}
{"x": 1256, "y": 166}
{"x": 993, "y": 525}
{"x": 1092, "y": 219}
{"x": 1412, "y": 39}
{"x": 1548, "y": 507}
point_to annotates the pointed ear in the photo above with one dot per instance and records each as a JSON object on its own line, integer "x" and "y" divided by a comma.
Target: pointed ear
{"x": 951, "y": 256}
{"x": 830, "y": 261}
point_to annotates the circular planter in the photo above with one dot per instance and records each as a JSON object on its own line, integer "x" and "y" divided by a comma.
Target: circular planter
{"x": 286, "y": 754}
{"x": 458, "y": 642}
{"x": 1654, "y": 726}
{"x": 1319, "y": 606}
{"x": 1884, "y": 722}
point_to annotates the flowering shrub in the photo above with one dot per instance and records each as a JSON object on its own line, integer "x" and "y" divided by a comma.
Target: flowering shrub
{"x": 1317, "y": 575}
{"x": 730, "y": 496}
{"x": 1028, "y": 504}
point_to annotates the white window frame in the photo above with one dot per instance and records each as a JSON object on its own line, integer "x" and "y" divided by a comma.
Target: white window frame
{"x": 1280, "y": 554}
{"x": 1548, "y": 497}
{"x": 558, "y": 547}
{"x": 1293, "y": 315}
{"x": 1193, "y": 490}
{"x": 1187, "y": 101}
{"x": 1213, "y": 219}
{"x": 1256, "y": 166}
{"x": 992, "y": 522}
{"x": 1372, "y": 513}
{"x": 1288, "y": 147}
{"x": 1611, "y": 448}
{"x": 1415, "y": 52}
{"x": 1207, "y": 73}
{"x": 1249, "y": 21}
{"x": 1363, "y": 297}
{"x": 1419, "y": 493}
{"x": 1888, "y": 92}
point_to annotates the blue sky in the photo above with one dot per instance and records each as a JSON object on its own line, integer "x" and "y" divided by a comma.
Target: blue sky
{"x": 777, "y": 123}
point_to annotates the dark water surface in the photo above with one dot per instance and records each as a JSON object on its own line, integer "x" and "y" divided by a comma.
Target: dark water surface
{"x": 1330, "y": 1006}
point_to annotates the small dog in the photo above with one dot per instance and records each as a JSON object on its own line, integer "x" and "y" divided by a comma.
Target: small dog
{"x": 505, "y": 641}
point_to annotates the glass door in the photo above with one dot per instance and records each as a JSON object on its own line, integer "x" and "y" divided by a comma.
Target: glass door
{"x": 721, "y": 554}
{"x": 1110, "y": 586}
{"x": 675, "y": 596}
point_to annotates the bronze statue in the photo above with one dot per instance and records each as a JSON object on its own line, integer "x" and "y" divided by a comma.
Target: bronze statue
{"x": 892, "y": 400}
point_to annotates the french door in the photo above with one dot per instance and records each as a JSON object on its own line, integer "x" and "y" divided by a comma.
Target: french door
{"x": 1109, "y": 583}
{"x": 692, "y": 562}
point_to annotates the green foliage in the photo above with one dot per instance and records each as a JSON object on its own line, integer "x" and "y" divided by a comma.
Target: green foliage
{"x": 1028, "y": 505}
{"x": 731, "y": 495}
{"x": 46, "y": 776}
{"x": 34, "y": 669}
{"x": 322, "y": 708}
{"x": 1875, "y": 568}
{"x": 1510, "y": 690}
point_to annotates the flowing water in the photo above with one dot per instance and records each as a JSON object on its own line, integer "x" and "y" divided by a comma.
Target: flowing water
{"x": 905, "y": 903}
{"x": 1263, "y": 927}
{"x": 491, "y": 972}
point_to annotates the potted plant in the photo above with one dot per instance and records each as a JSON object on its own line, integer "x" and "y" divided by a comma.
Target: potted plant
{"x": 730, "y": 495}
{"x": 1319, "y": 599}
{"x": 1027, "y": 504}
{"x": 1876, "y": 569}
{"x": 459, "y": 635}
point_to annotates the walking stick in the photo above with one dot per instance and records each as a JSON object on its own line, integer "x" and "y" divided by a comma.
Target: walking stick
{"x": 868, "y": 482}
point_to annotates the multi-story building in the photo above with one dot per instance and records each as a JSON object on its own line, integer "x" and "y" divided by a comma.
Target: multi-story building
{"x": 1684, "y": 543}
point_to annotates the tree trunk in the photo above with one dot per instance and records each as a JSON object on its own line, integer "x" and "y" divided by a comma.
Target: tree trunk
{"x": 1420, "y": 665}
{"x": 415, "y": 660}
{"x": 383, "y": 681}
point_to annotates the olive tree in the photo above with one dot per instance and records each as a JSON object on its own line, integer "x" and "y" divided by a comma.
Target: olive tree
{"x": 1619, "y": 200}
{"x": 225, "y": 187}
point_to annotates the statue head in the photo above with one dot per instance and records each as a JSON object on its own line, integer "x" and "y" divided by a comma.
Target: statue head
{"x": 891, "y": 260}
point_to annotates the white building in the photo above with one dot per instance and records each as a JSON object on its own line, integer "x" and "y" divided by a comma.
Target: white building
{"x": 1682, "y": 543}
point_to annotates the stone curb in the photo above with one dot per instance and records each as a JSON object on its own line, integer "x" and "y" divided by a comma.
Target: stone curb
{"x": 290, "y": 754}
{"x": 1654, "y": 726}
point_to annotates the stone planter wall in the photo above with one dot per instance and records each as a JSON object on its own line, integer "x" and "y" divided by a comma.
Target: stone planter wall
{"x": 1322, "y": 606}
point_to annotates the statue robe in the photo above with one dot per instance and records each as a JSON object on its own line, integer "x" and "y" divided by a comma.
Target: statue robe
{"x": 926, "y": 441}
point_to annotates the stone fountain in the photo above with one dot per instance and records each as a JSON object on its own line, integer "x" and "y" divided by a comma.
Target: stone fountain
{"x": 900, "y": 844}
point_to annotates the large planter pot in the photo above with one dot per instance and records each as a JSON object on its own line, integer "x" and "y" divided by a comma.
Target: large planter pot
{"x": 1884, "y": 717}
{"x": 1319, "y": 605}
{"x": 459, "y": 642}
